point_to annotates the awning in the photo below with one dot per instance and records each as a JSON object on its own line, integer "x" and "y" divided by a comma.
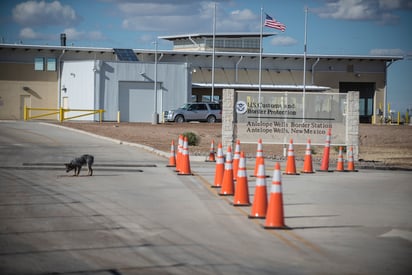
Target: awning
{"x": 263, "y": 87}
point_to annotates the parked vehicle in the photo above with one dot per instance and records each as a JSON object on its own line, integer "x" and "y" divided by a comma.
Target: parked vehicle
{"x": 195, "y": 111}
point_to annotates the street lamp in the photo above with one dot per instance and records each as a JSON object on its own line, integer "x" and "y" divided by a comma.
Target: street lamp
{"x": 155, "y": 115}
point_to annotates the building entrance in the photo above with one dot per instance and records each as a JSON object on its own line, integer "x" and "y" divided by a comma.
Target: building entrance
{"x": 366, "y": 94}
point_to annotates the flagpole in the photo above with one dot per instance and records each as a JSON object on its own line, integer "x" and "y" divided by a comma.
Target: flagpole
{"x": 304, "y": 65}
{"x": 260, "y": 57}
{"x": 213, "y": 53}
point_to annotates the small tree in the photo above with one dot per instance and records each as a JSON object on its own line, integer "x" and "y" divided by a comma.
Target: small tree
{"x": 192, "y": 138}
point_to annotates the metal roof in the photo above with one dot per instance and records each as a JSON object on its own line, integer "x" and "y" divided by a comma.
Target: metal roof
{"x": 56, "y": 48}
{"x": 203, "y": 53}
{"x": 263, "y": 86}
{"x": 275, "y": 55}
{"x": 219, "y": 35}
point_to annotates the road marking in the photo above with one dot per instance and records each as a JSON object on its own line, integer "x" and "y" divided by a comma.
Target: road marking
{"x": 394, "y": 233}
{"x": 276, "y": 233}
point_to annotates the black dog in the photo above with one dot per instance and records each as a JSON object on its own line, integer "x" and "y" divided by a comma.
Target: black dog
{"x": 77, "y": 164}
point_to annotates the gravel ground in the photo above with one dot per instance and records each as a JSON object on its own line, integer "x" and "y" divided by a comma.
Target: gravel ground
{"x": 382, "y": 146}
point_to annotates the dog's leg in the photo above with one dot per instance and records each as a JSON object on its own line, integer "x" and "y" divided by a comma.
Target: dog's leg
{"x": 78, "y": 170}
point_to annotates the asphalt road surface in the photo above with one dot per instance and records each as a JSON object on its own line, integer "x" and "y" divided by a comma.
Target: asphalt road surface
{"x": 136, "y": 216}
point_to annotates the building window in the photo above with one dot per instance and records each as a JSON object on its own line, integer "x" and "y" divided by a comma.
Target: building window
{"x": 51, "y": 64}
{"x": 251, "y": 43}
{"x": 233, "y": 43}
{"x": 39, "y": 64}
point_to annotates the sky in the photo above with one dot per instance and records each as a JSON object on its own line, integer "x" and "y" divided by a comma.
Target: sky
{"x": 336, "y": 27}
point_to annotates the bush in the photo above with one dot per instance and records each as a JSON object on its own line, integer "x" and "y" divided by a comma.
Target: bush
{"x": 336, "y": 149}
{"x": 192, "y": 138}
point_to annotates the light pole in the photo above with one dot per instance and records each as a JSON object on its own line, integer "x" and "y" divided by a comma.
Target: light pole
{"x": 155, "y": 115}
{"x": 304, "y": 66}
{"x": 213, "y": 53}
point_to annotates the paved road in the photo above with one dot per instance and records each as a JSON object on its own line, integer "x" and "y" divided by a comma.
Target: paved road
{"x": 136, "y": 216}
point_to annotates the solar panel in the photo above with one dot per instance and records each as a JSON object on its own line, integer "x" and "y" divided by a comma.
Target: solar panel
{"x": 125, "y": 55}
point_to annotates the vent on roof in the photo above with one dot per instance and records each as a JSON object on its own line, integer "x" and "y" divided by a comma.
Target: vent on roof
{"x": 63, "y": 39}
{"x": 125, "y": 55}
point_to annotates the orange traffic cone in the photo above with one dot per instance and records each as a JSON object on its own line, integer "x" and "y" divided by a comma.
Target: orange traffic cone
{"x": 307, "y": 164}
{"x": 339, "y": 165}
{"x": 260, "y": 200}
{"x": 185, "y": 167}
{"x": 228, "y": 186}
{"x": 326, "y": 151}
{"x": 275, "y": 216}
{"x": 179, "y": 153}
{"x": 236, "y": 157}
{"x": 259, "y": 156}
{"x": 290, "y": 163}
{"x": 242, "y": 190}
{"x": 220, "y": 167}
{"x": 351, "y": 163}
{"x": 212, "y": 152}
{"x": 172, "y": 158}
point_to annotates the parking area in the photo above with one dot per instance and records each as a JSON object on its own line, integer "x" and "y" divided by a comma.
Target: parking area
{"x": 136, "y": 216}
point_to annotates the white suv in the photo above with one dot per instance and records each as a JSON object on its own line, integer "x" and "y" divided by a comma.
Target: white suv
{"x": 198, "y": 111}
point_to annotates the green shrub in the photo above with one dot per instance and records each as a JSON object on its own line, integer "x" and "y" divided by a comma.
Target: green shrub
{"x": 192, "y": 138}
{"x": 336, "y": 149}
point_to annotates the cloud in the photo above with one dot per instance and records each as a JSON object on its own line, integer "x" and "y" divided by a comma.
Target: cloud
{"x": 158, "y": 16}
{"x": 42, "y": 13}
{"x": 32, "y": 14}
{"x": 280, "y": 40}
{"x": 75, "y": 35}
{"x": 148, "y": 9}
{"x": 71, "y": 34}
{"x": 146, "y": 38}
{"x": 184, "y": 16}
{"x": 381, "y": 11}
{"x": 245, "y": 14}
{"x": 239, "y": 21}
{"x": 386, "y": 52}
{"x": 30, "y": 34}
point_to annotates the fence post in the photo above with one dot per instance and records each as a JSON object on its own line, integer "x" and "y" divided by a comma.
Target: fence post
{"x": 61, "y": 114}
{"x": 25, "y": 113}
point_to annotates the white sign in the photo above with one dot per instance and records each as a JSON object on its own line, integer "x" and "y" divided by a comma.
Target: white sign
{"x": 279, "y": 116}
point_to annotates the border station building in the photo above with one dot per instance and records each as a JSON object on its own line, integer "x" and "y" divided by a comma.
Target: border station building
{"x": 139, "y": 83}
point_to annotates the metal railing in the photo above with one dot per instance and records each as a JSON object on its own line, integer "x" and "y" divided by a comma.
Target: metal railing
{"x": 61, "y": 112}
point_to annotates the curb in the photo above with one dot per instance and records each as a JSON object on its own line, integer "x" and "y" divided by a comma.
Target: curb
{"x": 202, "y": 158}
{"x": 121, "y": 142}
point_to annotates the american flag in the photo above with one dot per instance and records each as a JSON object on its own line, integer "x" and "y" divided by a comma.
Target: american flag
{"x": 272, "y": 23}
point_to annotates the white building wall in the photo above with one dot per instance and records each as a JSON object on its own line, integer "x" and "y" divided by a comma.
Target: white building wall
{"x": 174, "y": 87}
{"x": 78, "y": 88}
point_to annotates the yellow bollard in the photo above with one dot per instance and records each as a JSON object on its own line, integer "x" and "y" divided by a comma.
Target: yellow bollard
{"x": 25, "y": 113}
{"x": 118, "y": 116}
{"x": 61, "y": 114}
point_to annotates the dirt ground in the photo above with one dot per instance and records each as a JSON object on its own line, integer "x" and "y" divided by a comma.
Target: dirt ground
{"x": 380, "y": 145}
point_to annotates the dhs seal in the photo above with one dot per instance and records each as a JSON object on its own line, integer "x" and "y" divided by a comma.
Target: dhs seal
{"x": 241, "y": 107}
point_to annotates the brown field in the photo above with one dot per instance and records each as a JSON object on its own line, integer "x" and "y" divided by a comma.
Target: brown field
{"x": 385, "y": 146}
